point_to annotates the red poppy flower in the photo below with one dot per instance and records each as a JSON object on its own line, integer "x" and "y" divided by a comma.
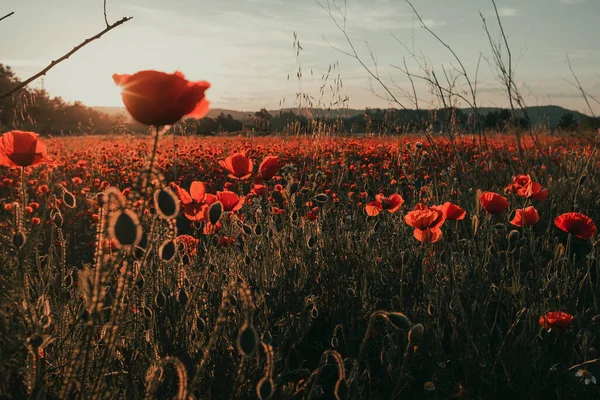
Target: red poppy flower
{"x": 259, "y": 189}
{"x": 576, "y": 224}
{"x": 158, "y": 98}
{"x": 226, "y": 241}
{"x": 187, "y": 243}
{"x": 269, "y": 167}
{"x": 230, "y": 200}
{"x": 391, "y": 204}
{"x": 238, "y": 165}
{"x": 493, "y": 203}
{"x": 556, "y": 319}
{"x": 428, "y": 235}
{"x": 534, "y": 191}
{"x": 423, "y": 217}
{"x": 194, "y": 201}
{"x": 22, "y": 149}
{"x": 313, "y": 214}
{"x": 528, "y": 216}
{"x": 518, "y": 182}
{"x": 453, "y": 212}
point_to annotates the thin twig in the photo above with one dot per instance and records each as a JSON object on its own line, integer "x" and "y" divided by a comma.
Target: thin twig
{"x": 583, "y": 92}
{"x": 7, "y": 15}
{"x": 105, "y": 17}
{"x": 66, "y": 56}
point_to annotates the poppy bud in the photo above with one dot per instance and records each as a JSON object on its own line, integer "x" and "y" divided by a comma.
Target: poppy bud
{"x": 167, "y": 250}
{"x": 200, "y": 324}
{"x": 125, "y": 227}
{"x": 429, "y": 386}
{"x": 399, "y": 320}
{"x": 68, "y": 199}
{"x": 321, "y": 198}
{"x": 265, "y": 388}
{"x": 415, "y": 334}
{"x": 58, "y": 220}
{"x": 311, "y": 242}
{"x": 513, "y": 236}
{"x": 247, "y": 340}
{"x": 19, "y": 239}
{"x": 182, "y": 297}
{"x": 160, "y": 299}
{"x": 247, "y": 229}
{"x": 214, "y": 212}
{"x": 582, "y": 180}
{"x": 258, "y": 229}
{"x": 166, "y": 203}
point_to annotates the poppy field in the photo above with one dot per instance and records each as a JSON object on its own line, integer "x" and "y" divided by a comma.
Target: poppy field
{"x": 299, "y": 267}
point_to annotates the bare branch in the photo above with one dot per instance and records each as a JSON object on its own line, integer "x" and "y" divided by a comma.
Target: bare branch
{"x": 7, "y": 15}
{"x": 583, "y": 92}
{"x": 105, "y": 17}
{"x": 66, "y": 56}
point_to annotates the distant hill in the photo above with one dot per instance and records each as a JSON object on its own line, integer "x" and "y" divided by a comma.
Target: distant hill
{"x": 540, "y": 115}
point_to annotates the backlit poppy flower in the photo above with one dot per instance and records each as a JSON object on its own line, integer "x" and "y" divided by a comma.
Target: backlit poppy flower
{"x": 576, "y": 224}
{"x": 226, "y": 241}
{"x": 230, "y": 200}
{"x": 534, "y": 191}
{"x": 556, "y": 319}
{"x": 22, "y": 149}
{"x": 528, "y": 216}
{"x": 194, "y": 201}
{"x": 238, "y": 165}
{"x": 259, "y": 190}
{"x": 453, "y": 212}
{"x": 518, "y": 182}
{"x": 427, "y": 222}
{"x": 493, "y": 203}
{"x": 269, "y": 167}
{"x": 391, "y": 204}
{"x": 158, "y": 98}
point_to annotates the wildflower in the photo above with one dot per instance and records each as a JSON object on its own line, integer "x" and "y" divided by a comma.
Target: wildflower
{"x": 238, "y": 165}
{"x": 22, "y": 149}
{"x": 427, "y": 222}
{"x": 518, "y": 182}
{"x": 452, "y": 212}
{"x": 158, "y": 98}
{"x": 534, "y": 191}
{"x": 391, "y": 204}
{"x": 493, "y": 203}
{"x": 194, "y": 201}
{"x": 525, "y": 217}
{"x": 576, "y": 224}
{"x": 556, "y": 319}
{"x": 230, "y": 200}
{"x": 269, "y": 167}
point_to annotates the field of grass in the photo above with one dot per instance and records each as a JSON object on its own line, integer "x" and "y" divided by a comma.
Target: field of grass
{"x": 297, "y": 292}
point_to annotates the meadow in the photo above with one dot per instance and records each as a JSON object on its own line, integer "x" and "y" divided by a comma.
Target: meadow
{"x": 308, "y": 267}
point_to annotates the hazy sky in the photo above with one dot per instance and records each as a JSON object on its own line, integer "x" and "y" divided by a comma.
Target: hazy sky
{"x": 245, "y": 47}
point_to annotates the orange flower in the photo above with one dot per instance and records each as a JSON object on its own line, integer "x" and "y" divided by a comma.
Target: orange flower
{"x": 238, "y": 165}
{"x": 259, "y": 190}
{"x": 391, "y": 204}
{"x": 534, "y": 191}
{"x": 427, "y": 222}
{"x": 453, "y": 212}
{"x": 576, "y": 224}
{"x": 528, "y": 216}
{"x": 269, "y": 167}
{"x": 22, "y": 149}
{"x": 556, "y": 319}
{"x": 158, "y": 98}
{"x": 194, "y": 201}
{"x": 230, "y": 200}
{"x": 518, "y": 182}
{"x": 493, "y": 203}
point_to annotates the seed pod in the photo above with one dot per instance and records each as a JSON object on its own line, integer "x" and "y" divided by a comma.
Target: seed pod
{"x": 57, "y": 219}
{"x": 321, "y": 198}
{"x": 311, "y": 242}
{"x": 258, "y": 229}
{"x": 582, "y": 180}
{"x": 265, "y": 388}
{"x": 166, "y": 204}
{"x": 415, "y": 334}
{"x": 68, "y": 199}
{"x": 399, "y": 320}
{"x": 125, "y": 226}
{"x": 19, "y": 239}
{"x": 341, "y": 390}
{"x": 293, "y": 187}
{"x": 247, "y": 340}
{"x": 214, "y": 212}
{"x": 167, "y": 250}
{"x": 139, "y": 281}
{"x": 294, "y": 216}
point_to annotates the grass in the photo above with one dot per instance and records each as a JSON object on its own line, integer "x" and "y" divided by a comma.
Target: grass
{"x": 297, "y": 306}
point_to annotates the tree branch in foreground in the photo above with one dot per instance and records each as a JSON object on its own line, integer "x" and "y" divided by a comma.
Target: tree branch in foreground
{"x": 66, "y": 56}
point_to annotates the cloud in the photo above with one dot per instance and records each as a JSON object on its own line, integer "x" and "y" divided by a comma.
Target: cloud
{"x": 508, "y": 12}
{"x": 572, "y": 1}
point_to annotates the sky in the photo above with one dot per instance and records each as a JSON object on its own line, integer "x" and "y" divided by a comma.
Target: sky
{"x": 245, "y": 48}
